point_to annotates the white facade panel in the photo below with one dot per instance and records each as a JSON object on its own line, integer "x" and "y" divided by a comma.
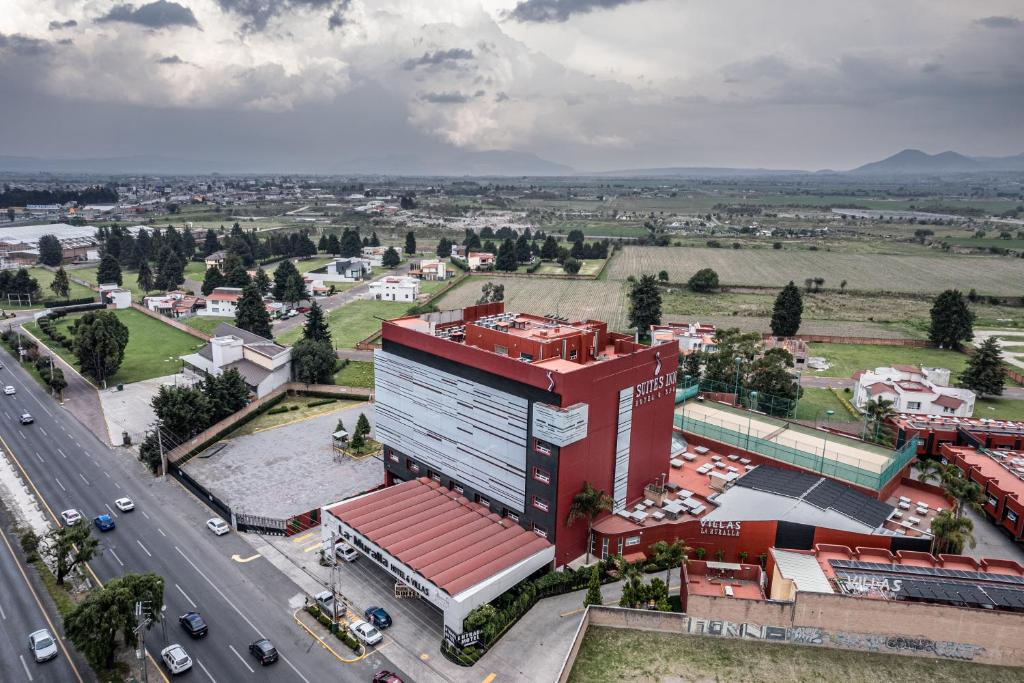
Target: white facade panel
{"x": 464, "y": 429}
{"x": 559, "y": 426}
{"x": 622, "y": 437}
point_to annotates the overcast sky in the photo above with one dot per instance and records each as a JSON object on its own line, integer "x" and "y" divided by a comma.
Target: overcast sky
{"x": 595, "y": 84}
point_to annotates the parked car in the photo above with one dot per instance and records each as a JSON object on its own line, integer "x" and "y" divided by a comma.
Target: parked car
{"x": 124, "y": 504}
{"x": 71, "y": 516}
{"x": 9, "y": 390}
{"x": 27, "y": 419}
{"x": 176, "y": 659}
{"x": 264, "y": 651}
{"x": 326, "y": 602}
{"x": 377, "y": 616}
{"x": 343, "y": 551}
{"x": 303, "y": 309}
{"x": 104, "y": 523}
{"x": 385, "y": 676}
{"x": 193, "y": 624}
{"x": 366, "y": 632}
{"x": 42, "y": 645}
{"x": 218, "y": 526}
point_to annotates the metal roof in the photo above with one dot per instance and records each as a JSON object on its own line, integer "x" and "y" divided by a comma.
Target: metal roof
{"x": 803, "y": 570}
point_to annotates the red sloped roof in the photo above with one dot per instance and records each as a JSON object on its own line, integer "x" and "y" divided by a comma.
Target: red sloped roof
{"x": 948, "y": 401}
{"x": 452, "y": 542}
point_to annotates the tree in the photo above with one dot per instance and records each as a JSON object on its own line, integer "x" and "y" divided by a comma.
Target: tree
{"x": 965, "y": 493}
{"x": 67, "y": 547}
{"x": 593, "y": 596}
{"x": 671, "y": 555}
{"x": 313, "y": 361}
{"x": 262, "y": 281}
{"x": 100, "y": 341}
{"x": 704, "y": 280}
{"x": 644, "y": 305}
{"x": 927, "y": 470}
{"x": 391, "y": 258}
{"x": 316, "y": 328}
{"x": 322, "y": 244}
{"x": 61, "y": 286}
{"x": 363, "y": 425}
{"x": 212, "y": 280}
{"x": 663, "y": 276}
{"x": 523, "y": 254}
{"x": 210, "y": 242}
{"x": 571, "y": 266}
{"x": 410, "y": 242}
{"x": 170, "y": 269}
{"x": 145, "y": 277}
{"x": 770, "y": 377}
{"x": 286, "y": 270}
{"x": 877, "y": 411}
{"x": 56, "y": 381}
{"x": 294, "y": 289}
{"x": 588, "y": 504}
{"x": 952, "y": 320}
{"x": 789, "y": 307}
{"x": 333, "y": 245}
{"x": 444, "y": 248}
{"x": 575, "y": 236}
{"x": 251, "y": 313}
{"x": 374, "y": 240}
{"x": 183, "y": 411}
{"x": 227, "y": 393}
{"x": 50, "y": 251}
{"x": 549, "y": 250}
{"x": 985, "y": 373}
{"x": 109, "y": 270}
{"x": 950, "y": 534}
{"x": 235, "y": 273}
{"x": 491, "y": 293}
{"x": 350, "y": 244}
{"x": 506, "y": 258}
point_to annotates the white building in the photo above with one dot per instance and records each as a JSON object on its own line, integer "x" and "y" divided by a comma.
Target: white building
{"x": 264, "y": 364}
{"x": 919, "y": 391}
{"x": 222, "y": 301}
{"x": 345, "y": 270}
{"x": 690, "y": 337}
{"x": 430, "y": 270}
{"x": 374, "y": 255}
{"x": 395, "y": 288}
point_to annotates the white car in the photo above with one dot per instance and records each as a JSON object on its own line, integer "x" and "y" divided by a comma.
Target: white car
{"x": 365, "y": 632}
{"x": 9, "y": 390}
{"x": 124, "y": 504}
{"x": 71, "y": 516}
{"x": 218, "y": 526}
{"x": 343, "y": 551}
{"x": 42, "y": 645}
{"x": 176, "y": 659}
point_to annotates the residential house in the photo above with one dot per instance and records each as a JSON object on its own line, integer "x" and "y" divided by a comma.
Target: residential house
{"x": 430, "y": 270}
{"x": 176, "y": 304}
{"x": 264, "y": 364}
{"x": 346, "y": 270}
{"x": 691, "y": 337}
{"x": 374, "y": 255}
{"x": 216, "y": 259}
{"x": 458, "y": 251}
{"x": 395, "y": 288}
{"x": 480, "y": 260}
{"x": 222, "y": 301}
{"x": 914, "y": 390}
{"x": 116, "y": 296}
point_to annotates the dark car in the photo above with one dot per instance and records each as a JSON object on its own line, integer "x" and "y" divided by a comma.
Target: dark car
{"x": 385, "y": 676}
{"x": 193, "y": 624}
{"x": 264, "y": 651}
{"x": 378, "y": 617}
{"x": 104, "y": 523}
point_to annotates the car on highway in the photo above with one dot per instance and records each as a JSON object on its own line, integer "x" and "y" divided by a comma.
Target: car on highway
{"x": 377, "y": 616}
{"x": 42, "y": 645}
{"x": 9, "y": 390}
{"x": 194, "y": 624}
{"x": 343, "y": 551}
{"x": 124, "y": 504}
{"x": 365, "y": 631}
{"x": 218, "y": 526}
{"x": 104, "y": 523}
{"x": 27, "y": 419}
{"x": 264, "y": 651}
{"x": 176, "y": 659}
{"x": 71, "y": 516}
{"x": 385, "y": 676}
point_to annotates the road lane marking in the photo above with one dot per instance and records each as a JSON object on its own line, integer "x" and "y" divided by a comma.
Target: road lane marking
{"x": 490, "y": 678}
{"x": 43, "y": 431}
{"x": 110, "y": 510}
{"x": 303, "y": 537}
{"x": 60, "y": 485}
{"x": 83, "y": 478}
{"x": 8, "y": 415}
{"x": 40, "y": 458}
{"x": 2, "y": 613}
{"x": 25, "y": 666}
{"x": 144, "y": 514}
{"x": 62, "y": 454}
{"x": 21, "y": 434}
{"x": 243, "y": 560}
{"x": 143, "y": 547}
{"x": 206, "y": 671}
{"x": 161, "y": 532}
{"x": 186, "y": 596}
{"x": 313, "y": 547}
{"x": 106, "y": 474}
{"x": 119, "y": 488}
{"x": 240, "y": 659}
{"x": 297, "y": 672}
{"x": 116, "y": 557}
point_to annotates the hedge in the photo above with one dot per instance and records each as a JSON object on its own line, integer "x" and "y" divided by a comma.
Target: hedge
{"x": 63, "y": 303}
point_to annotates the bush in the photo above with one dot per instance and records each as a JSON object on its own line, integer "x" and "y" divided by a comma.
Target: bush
{"x": 321, "y": 402}
{"x": 293, "y": 408}
{"x": 278, "y": 410}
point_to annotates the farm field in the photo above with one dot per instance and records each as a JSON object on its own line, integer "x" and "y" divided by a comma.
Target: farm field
{"x": 839, "y": 328}
{"x": 353, "y": 322}
{"x": 763, "y": 267}
{"x": 611, "y": 655}
{"x": 588, "y": 268}
{"x": 575, "y": 299}
{"x": 847, "y": 359}
{"x": 153, "y": 350}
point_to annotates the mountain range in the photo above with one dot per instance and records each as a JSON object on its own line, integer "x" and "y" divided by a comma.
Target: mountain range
{"x": 916, "y": 162}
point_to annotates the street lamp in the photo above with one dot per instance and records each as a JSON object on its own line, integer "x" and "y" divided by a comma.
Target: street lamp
{"x": 739, "y": 362}
{"x": 824, "y": 444}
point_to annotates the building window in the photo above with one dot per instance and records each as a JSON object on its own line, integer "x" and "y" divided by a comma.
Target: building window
{"x": 411, "y": 466}
{"x": 393, "y": 456}
{"x": 459, "y": 489}
{"x": 947, "y": 410}
{"x": 483, "y": 501}
{"x": 511, "y": 515}
{"x": 913, "y": 405}
{"x": 541, "y": 476}
{"x": 620, "y": 547}
{"x": 540, "y": 504}
{"x": 503, "y": 350}
{"x": 540, "y": 531}
{"x": 573, "y": 354}
{"x": 541, "y": 447}
{"x": 526, "y": 356}
{"x": 604, "y": 547}
{"x": 436, "y": 477}
{"x": 632, "y": 540}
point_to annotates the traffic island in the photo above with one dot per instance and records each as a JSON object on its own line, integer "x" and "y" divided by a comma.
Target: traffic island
{"x": 341, "y": 644}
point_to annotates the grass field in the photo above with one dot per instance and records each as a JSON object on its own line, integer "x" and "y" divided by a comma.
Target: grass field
{"x": 588, "y": 268}
{"x": 610, "y": 655}
{"x": 999, "y": 408}
{"x": 299, "y": 409}
{"x": 847, "y": 359}
{"x": 768, "y": 267}
{"x": 814, "y": 402}
{"x": 45, "y": 277}
{"x": 206, "y": 323}
{"x": 129, "y": 279}
{"x": 353, "y": 322}
{"x": 356, "y": 373}
{"x": 153, "y": 348}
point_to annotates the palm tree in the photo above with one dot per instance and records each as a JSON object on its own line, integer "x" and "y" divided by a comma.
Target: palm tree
{"x": 878, "y": 411}
{"x": 588, "y": 504}
{"x": 928, "y": 470}
{"x": 965, "y": 494}
{"x": 951, "y": 533}
{"x": 671, "y": 555}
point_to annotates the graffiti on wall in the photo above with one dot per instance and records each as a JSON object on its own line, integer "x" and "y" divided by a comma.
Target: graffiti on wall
{"x": 810, "y": 635}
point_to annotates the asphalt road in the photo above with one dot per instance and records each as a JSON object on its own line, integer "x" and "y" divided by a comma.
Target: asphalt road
{"x": 241, "y": 601}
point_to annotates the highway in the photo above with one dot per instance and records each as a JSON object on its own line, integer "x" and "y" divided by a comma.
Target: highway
{"x": 69, "y": 468}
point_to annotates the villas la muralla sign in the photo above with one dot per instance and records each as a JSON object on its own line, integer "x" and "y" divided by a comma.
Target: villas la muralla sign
{"x": 719, "y": 528}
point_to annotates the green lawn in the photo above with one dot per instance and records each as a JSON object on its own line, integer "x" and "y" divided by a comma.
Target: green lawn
{"x": 357, "y": 373}
{"x": 298, "y": 409}
{"x": 353, "y": 322}
{"x": 588, "y": 268}
{"x": 129, "y": 280}
{"x": 815, "y": 402}
{"x": 847, "y": 359}
{"x": 206, "y": 323}
{"x": 610, "y": 655}
{"x": 999, "y": 408}
{"x": 44, "y": 277}
{"x": 431, "y": 286}
{"x": 153, "y": 348}
{"x": 195, "y": 270}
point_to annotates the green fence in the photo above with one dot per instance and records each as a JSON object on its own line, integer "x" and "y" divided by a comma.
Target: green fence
{"x": 770, "y": 404}
{"x": 815, "y": 462}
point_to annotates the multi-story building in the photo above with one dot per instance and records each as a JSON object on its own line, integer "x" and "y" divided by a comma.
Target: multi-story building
{"x": 517, "y": 412}
{"x": 914, "y": 390}
{"x": 222, "y": 301}
{"x": 691, "y": 337}
{"x": 395, "y": 288}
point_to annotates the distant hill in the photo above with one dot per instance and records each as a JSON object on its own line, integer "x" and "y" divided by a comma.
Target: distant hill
{"x": 916, "y": 162}
{"x": 694, "y": 172}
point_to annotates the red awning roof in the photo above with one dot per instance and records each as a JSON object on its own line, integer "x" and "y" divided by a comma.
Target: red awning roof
{"x": 450, "y": 541}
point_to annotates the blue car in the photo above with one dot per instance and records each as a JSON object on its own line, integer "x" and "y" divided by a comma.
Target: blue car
{"x": 104, "y": 523}
{"x": 378, "y": 617}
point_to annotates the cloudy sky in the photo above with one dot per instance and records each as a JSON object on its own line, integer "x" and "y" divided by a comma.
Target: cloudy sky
{"x": 325, "y": 85}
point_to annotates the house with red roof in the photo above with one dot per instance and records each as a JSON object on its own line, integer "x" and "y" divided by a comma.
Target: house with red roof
{"x": 913, "y": 390}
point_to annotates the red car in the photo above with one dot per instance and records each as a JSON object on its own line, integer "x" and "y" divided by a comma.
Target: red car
{"x": 303, "y": 309}
{"x": 385, "y": 676}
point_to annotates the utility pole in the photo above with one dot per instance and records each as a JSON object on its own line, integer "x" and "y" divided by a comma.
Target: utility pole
{"x": 334, "y": 594}
{"x": 141, "y": 621}
{"x": 163, "y": 456}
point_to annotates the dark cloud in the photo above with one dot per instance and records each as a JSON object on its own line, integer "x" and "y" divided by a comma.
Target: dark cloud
{"x": 170, "y": 59}
{"x": 258, "y": 13}
{"x": 58, "y": 25}
{"x": 451, "y": 97}
{"x": 338, "y": 19}
{"x": 23, "y": 46}
{"x": 438, "y": 58}
{"x": 501, "y": 97}
{"x": 158, "y": 14}
{"x": 999, "y": 22}
{"x": 560, "y": 10}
